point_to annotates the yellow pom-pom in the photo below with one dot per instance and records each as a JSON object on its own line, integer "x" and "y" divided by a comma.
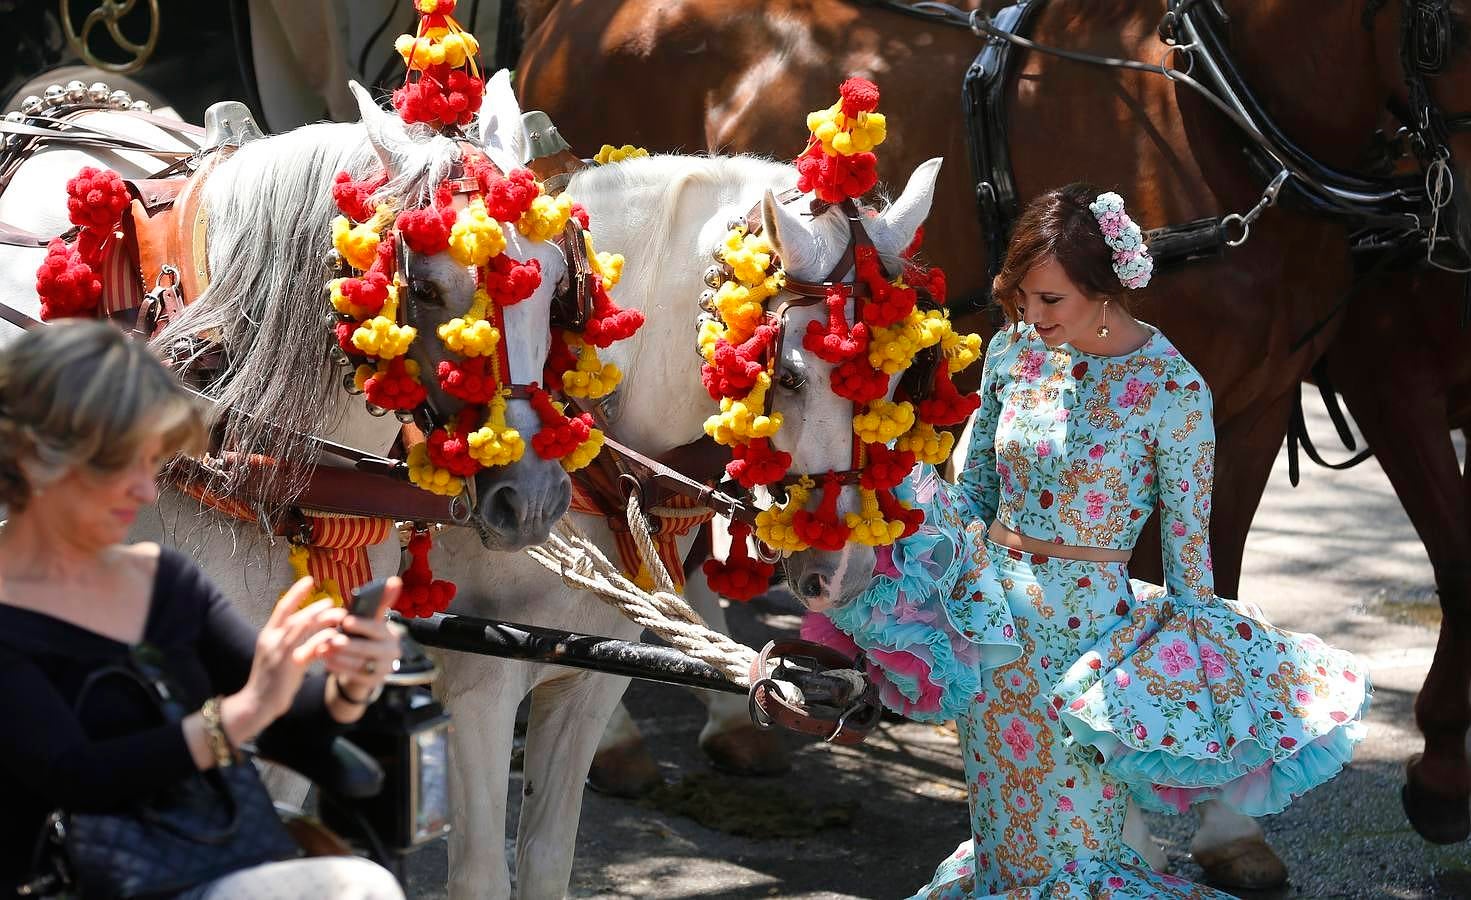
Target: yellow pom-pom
{"x": 928, "y": 444}
{"x": 711, "y": 331}
{"x": 774, "y": 525}
{"x": 609, "y": 154}
{"x": 748, "y": 255}
{"x": 427, "y": 476}
{"x": 297, "y": 558}
{"x": 868, "y": 526}
{"x": 961, "y": 350}
{"x": 585, "y": 452}
{"x": 842, "y": 136}
{"x": 609, "y": 267}
{"x": 892, "y": 349}
{"x": 546, "y": 218}
{"x": 592, "y": 378}
{"x": 475, "y": 237}
{"x": 745, "y": 419}
{"x": 358, "y": 243}
{"x": 496, "y": 443}
{"x": 382, "y": 336}
{"x": 471, "y": 334}
{"x": 883, "y": 421}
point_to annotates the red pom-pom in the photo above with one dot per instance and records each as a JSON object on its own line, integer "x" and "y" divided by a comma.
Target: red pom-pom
{"x": 508, "y": 281}
{"x": 886, "y": 468}
{"x": 579, "y": 212}
{"x": 886, "y": 304}
{"x": 859, "y": 381}
{"x": 395, "y": 388}
{"x": 452, "y": 450}
{"x": 894, "y": 511}
{"x": 560, "y": 358}
{"x": 931, "y": 280}
{"x": 758, "y": 462}
{"x": 822, "y": 530}
{"x": 837, "y": 178}
{"x": 508, "y": 197}
{"x": 859, "y": 95}
{"x": 343, "y": 330}
{"x": 739, "y": 577}
{"x": 422, "y": 595}
{"x": 471, "y": 380}
{"x": 426, "y": 230}
{"x": 946, "y": 405}
{"x": 440, "y": 97}
{"x": 837, "y": 343}
{"x": 354, "y": 198}
{"x": 96, "y": 198}
{"x": 735, "y": 369}
{"x": 559, "y": 435}
{"x": 65, "y": 283}
{"x": 369, "y": 292}
{"x": 610, "y": 322}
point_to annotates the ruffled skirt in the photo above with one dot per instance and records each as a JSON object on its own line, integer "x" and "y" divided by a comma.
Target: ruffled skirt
{"x": 1086, "y": 688}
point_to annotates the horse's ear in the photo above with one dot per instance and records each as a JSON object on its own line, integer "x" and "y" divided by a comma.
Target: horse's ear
{"x": 501, "y": 132}
{"x": 385, "y": 130}
{"x": 791, "y": 237}
{"x": 898, "y": 224}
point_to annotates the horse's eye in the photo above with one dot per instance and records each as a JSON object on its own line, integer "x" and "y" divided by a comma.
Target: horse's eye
{"x": 425, "y": 291}
{"x": 792, "y": 381}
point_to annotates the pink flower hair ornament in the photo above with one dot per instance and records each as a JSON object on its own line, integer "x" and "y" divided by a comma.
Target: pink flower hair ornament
{"x": 1131, "y": 260}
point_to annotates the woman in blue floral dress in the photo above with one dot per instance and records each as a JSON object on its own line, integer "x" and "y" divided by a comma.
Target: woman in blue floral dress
{"x": 1074, "y": 687}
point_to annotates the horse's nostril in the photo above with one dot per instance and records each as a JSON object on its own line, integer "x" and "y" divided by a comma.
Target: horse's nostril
{"x": 505, "y": 508}
{"x": 812, "y": 586}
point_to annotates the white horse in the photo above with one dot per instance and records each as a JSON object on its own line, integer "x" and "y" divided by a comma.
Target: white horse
{"x": 666, "y": 214}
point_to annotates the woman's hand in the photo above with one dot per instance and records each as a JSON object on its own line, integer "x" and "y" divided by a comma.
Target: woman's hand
{"x": 363, "y": 654}
{"x": 292, "y": 638}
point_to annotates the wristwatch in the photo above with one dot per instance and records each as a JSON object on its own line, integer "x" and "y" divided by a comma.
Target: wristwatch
{"x": 214, "y": 730}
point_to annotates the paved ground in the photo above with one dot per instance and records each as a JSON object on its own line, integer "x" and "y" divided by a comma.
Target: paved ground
{"x": 1336, "y": 556}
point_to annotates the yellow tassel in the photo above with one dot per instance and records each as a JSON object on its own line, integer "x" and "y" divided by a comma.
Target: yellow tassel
{"x": 892, "y": 349}
{"x": 774, "y": 524}
{"x": 546, "y": 218}
{"x": 471, "y": 334}
{"x": 868, "y": 526}
{"x": 711, "y": 331}
{"x": 927, "y": 444}
{"x": 960, "y": 350}
{"x": 427, "y": 476}
{"x": 476, "y": 238}
{"x": 358, "y": 243}
{"x": 496, "y": 443}
{"x": 748, "y": 255}
{"x": 592, "y": 378}
{"x": 585, "y": 452}
{"x": 745, "y": 419}
{"x": 883, "y": 421}
{"x": 608, "y": 154}
{"x": 437, "y": 47}
{"x": 843, "y": 136}
{"x": 382, "y": 336}
{"x": 297, "y": 558}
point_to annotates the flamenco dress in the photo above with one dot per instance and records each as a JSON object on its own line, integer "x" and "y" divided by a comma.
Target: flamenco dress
{"x": 1074, "y": 687}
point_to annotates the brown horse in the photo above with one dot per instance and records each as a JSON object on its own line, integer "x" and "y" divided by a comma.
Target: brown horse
{"x": 737, "y": 75}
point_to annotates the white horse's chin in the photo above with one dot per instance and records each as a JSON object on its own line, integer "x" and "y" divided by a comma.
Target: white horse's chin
{"x": 822, "y": 580}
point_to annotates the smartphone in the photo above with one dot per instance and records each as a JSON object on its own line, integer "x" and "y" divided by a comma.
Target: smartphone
{"x": 364, "y": 601}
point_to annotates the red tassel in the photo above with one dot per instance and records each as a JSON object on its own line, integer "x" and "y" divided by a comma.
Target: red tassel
{"x": 508, "y": 197}
{"x": 560, "y": 358}
{"x": 894, "y": 511}
{"x": 422, "y": 595}
{"x": 394, "y": 389}
{"x": 887, "y": 304}
{"x": 822, "y": 530}
{"x": 736, "y": 367}
{"x": 946, "y": 405}
{"x": 836, "y": 178}
{"x": 96, "y": 199}
{"x": 65, "y": 283}
{"x": 471, "y": 380}
{"x": 510, "y": 281}
{"x": 739, "y": 577}
{"x": 859, "y": 381}
{"x": 886, "y": 468}
{"x": 559, "y": 435}
{"x": 354, "y": 198}
{"x": 427, "y": 230}
{"x": 859, "y": 96}
{"x": 610, "y": 322}
{"x": 451, "y": 450}
{"x": 837, "y": 343}
{"x": 442, "y": 97}
{"x": 758, "y": 462}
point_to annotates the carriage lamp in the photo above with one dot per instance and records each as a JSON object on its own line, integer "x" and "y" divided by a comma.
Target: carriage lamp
{"x": 407, "y": 731}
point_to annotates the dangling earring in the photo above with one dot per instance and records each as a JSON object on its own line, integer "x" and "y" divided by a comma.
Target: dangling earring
{"x": 1103, "y": 329}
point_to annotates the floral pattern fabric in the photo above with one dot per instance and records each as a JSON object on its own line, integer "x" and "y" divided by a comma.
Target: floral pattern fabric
{"x": 1074, "y": 687}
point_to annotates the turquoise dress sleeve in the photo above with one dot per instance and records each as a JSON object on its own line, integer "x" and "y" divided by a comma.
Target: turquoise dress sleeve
{"x": 977, "y": 489}
{"x": 1184, "y": 454}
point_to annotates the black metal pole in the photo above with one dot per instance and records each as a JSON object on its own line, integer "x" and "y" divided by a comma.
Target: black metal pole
{"x": 489, "y": 637}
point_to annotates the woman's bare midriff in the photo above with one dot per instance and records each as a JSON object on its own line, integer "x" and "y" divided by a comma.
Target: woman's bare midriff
{"x": 1000, "y": 534}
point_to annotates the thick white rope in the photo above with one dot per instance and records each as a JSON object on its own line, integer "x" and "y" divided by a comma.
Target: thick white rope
{"x": 583, "y": 565}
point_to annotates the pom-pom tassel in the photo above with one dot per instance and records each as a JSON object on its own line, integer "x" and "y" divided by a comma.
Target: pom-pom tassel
{"x": 896, "y": 512}
{"x": 742, "y": 420}
{"x": 297, "y": 558}
{"x": 821, "y": 529}
{"x": 837, "y": 343}
{"x": 886, "y": 468}
{"x": 946, "y": 405}
{"x": 591, "y": 378}
{"x": 927, "y": 444}
{"x": 758, "y": 463}
{"x": 739, "y": 577}
{"x": 391, "y": 384}
{"x": 559, "y": 435}
{"x": 496, "y": 443}
{"x": 423, "y": 595}
{"x": 734, "y": 368}
{"x": 868, "y": 525}
{"x": 610, "y": 322}
{"x": 774, "y": 525}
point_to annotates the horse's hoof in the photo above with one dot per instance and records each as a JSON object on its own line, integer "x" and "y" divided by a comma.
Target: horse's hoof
{"x": 1245, "y": 863}
{"x": 1438, "y": 818}
{"x": 747, "y": 750}
{"x": 625, "y": 770}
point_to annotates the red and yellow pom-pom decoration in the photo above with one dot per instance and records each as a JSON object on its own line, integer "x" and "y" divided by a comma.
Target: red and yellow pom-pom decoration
{"x": 888, "y": 331}
{"x": 69, "y": 280}
{"x": 443, "y": 87}
{"x": 423, "y": 595}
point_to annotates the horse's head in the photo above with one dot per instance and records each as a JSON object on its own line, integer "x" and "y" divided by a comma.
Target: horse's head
{"x": 519, "y": 495}
{"x": 819, "y": 427}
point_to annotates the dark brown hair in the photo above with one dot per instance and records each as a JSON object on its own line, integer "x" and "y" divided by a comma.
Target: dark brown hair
{"x": 1060, "y": 225}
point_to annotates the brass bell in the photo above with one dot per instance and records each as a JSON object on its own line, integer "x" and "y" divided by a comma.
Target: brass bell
{"x": 707, "y": 300}
{"x": 715, "y": 276}
{"x": 350, "y": 383}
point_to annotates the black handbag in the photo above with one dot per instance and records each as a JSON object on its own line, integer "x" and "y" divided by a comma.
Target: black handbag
{"x": 204, "y": 827}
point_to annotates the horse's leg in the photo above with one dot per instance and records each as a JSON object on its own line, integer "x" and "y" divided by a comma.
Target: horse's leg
{"x": 1406, "y": 426}
{"x": 622, "y": 765}
{"x": 1136, "y": 835}
{"x": 568, "y": 713}
{"x": 730, "y": 739}
{"x": 482, "y": 694}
